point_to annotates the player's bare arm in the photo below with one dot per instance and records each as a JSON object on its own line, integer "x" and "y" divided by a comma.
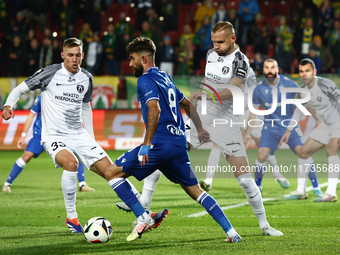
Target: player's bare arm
{"x": 190, "y": 110}
{"x": 27, "y": 125}
{"x": 247, "y": 136}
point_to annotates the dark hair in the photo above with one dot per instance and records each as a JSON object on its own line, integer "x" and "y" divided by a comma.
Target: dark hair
{"x": 306, "y": 61}
{"x": 141, "y": 44}
{"x": 72, "y": 42}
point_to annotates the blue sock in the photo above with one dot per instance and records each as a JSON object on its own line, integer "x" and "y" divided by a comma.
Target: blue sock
{"x": 313, "y": 176}
{"x": 81, "y": 172}
{"x": 125, "y": 193}
{"x": 259, "y": 172}
{"x": 16, "y": 170}
{"x": 214, "y": 210}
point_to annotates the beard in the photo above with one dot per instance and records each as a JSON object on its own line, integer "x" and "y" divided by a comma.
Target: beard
{"x": 272, "y": 78}
{"x": 138, "y": 70}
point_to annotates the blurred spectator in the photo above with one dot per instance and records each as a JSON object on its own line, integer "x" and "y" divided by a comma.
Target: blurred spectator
{"x": 66, "y": 18}
{"x": 206, "y": 9}
{"x": 124, "y": 30}
{"x": 142, "y": 7}
{"x": 33, "y": 55}
{"x": 86, "y": 35}
{"x": 191, "y": 56}
{"x": 46, "y": 53}
{"x": 183, "y": 67}
{"x": 110, "y": 42}
{"x": 170, "y": 15}
{"x": 94, "y": 10}
{"x": 16, "y": 58}
{"x": 155, "y": 25}
{"x": 20, "y": 26}
{"x": 220, "y": 14}
{"x": 260, "y": 36}
{"x": 48, "y": 33}
{"x": 317, "y": 60}
{"x": 304, "y": 39}
{"x": 247, "y": 10}
{"x": 257, "y": 65}
{"x": 324, "y": 53}
{"x": 56, "y": 52}
{"x": 204, "y": 37}
{"x": 148, "y": 32}
{"x": 94, "y": 55}
{"x": 336, "y": 16}
{"x": 37, "y": 10}
{"x": 187, "y": 34}
{"x": 281, "y": 32}
{"x": 167, "y": 56}
{"x": 285, "y": 54}
{"x": 325, "y": 14}
{"x": 233, "y": 19}
{"x": 334, "y": 35}
{"x": 30, "y": 36}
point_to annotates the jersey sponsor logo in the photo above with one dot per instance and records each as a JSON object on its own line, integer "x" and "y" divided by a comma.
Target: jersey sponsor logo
{"x": 225, "y": 70}
{"x": 175, "y": 130}
{"x": 70, "y": 79}
{"x": 241, "y": 72}
{"x": 123, "y": 160}
{"x": 220, "y": 60}
{"x": 80, "y": 88}
{"x": 215, "y": 76}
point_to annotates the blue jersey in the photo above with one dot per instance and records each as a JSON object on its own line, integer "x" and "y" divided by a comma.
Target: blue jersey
{"x": 36, "y": 108}
{"x": 263, "y": 95}
{"x": 154, "y": 84}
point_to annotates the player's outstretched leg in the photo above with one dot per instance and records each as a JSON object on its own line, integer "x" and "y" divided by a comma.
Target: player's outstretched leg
{"x": 16, "y": 170}
{"x": 81, "y": 178}
{"x": 284, "y": 183}
{"x": 303, "y": 170}
{"x": 144, "y": 220}
{"x": 69, "y": 188}
{"x": 314, "y": 179}
{"x": 259, "y": 172}
{"x": 254, "y": 198}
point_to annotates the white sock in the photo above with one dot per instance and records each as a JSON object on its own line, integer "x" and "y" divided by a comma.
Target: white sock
{"x": 333, "y": 174}
{"x": 254, "y": 197}
{"x": 303, "y": 170}
{"x": 69, "y": 187}
{"x": 134, "y": 190}
{"x": 149, "y": 187}
{"x": 273, "y": 163}
{"x": 143, "y": 217}
{"x": 213, "y": 160}
{"x": 231, "y": 233}
{"x": 81, "y": 184}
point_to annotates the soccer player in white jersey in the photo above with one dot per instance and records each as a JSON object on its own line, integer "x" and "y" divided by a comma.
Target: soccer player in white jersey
{"x": 66, "y": 92}
{"x": 325, "y": 99}
{"x": 214, "y": 156}
{"x": 227, "y": 66}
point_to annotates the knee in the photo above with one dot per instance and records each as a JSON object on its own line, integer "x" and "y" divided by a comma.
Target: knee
{"x": 331, "y": 151}
{"x": 71, "y": 166}
{"x": 262, "y": 158}
{"x": 303, "y": 154}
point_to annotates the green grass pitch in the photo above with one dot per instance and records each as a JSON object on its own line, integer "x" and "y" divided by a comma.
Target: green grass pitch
{"x": 32, "y": 217}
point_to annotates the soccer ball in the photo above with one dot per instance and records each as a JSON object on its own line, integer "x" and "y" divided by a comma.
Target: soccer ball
{"x": 97, "y": 230}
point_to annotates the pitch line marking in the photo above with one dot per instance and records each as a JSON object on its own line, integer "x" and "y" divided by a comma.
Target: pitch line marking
{"x": 224, "y": 208}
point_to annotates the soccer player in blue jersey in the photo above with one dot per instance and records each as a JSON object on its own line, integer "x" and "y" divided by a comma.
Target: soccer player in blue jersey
{"x": 34, "y": 149}
{"x": 273, "y": 129}
{"x": 165, "y": 143}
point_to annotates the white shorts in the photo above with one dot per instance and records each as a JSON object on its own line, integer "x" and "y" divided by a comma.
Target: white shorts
{"x": 256, "y": 131}
{"x": 82, "y": 146}
{"x": 228, "y": 140}
{"x": 323, "y": 133}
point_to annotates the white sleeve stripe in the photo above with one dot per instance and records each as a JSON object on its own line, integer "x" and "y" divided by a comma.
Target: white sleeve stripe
{"x": 152, "y": 98}
{"x": 181, "y": 99}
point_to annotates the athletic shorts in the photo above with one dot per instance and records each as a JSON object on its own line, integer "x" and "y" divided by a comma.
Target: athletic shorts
{"x": 34, "y": 145}
{"x": 83, "y": 146}
{"x": 323, "y": 133}
{"x": 271, "y": 139}
{"x": 228, "y": 140}
{"x": 171, "y": 160}
{"x": 256, "y": 130}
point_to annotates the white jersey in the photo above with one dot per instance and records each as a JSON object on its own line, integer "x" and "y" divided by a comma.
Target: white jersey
{"x": 220, "y": 70}
{"x": 251, "y": 82}
{"x": 62, "y": 96}
{"x": 324, "y": 99}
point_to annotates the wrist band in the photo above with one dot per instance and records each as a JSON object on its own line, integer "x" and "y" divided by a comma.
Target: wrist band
{"x": 23, "y": 134}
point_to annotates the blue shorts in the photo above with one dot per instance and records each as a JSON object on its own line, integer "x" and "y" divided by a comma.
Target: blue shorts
{"x": 171, "y": 160}
{"x": 271, "y": 140}
{"x": 35, "y": 146}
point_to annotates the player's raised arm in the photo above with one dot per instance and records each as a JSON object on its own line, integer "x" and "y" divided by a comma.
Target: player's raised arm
{"x": 190, "y": 110}
{"x": 27, "y": 125}
{"x": 12, "y": 99}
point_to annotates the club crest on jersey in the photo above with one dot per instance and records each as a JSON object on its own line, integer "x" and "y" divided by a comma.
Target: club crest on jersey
{"x": 220, "y": 60}
{"x": 80, "y": 88}
{"x": 319, "y": 99}
{"x": 225, "y": 70}
{"x": 70, "y": 79}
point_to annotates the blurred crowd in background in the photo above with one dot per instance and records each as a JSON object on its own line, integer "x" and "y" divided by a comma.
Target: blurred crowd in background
{"x": 32, "y": 32}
